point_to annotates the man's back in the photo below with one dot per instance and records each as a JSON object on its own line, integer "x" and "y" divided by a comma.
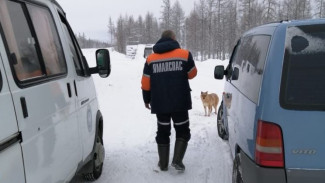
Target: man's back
{"x": 165, "y": 86}
{"x": 169, "y": 69}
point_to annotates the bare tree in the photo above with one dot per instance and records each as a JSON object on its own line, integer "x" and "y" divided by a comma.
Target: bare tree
{"x": 192, "y": 32}
{"x": 269, "y": 13}
{"x": 320, "y": 8}
{"x": 177, "y": 21}
{"x": 280, "y": 15}
{"x": 220, "y": 31}
{"x": 203, "y": 30}
{"x": 210, "y": 8}
{"x": 166, "y": 15}
{"x": 231, "y": 20}
{"x": 247, "y": 14}
{"x": 213, "y": 26}
{"x": 297, "y": 9}
{"x": 305, "y": 8}
{"x": 258, "y": 14}
{"x": 151, "y": 29}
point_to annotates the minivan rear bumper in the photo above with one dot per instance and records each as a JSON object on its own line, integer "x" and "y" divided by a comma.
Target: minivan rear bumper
{"x": 302, "y": 176}
{"x": 253, "y": 173}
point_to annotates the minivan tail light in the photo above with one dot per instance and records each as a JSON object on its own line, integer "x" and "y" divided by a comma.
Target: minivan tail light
{"x": 269, "y": 145}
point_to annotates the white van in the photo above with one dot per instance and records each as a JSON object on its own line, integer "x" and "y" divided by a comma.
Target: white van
{"x": 50, "y": 125}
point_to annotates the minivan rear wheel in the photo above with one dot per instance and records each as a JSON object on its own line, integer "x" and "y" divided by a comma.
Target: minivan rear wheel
{"x": 237, "y": 170}
{"x": 97, "y": 161}
{"x": 221, "y": 130}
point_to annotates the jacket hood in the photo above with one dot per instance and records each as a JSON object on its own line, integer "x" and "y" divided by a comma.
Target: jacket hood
{"x": 165, "y": 45}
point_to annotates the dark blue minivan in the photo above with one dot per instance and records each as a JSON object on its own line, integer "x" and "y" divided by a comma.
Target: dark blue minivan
{"x": 273, "y": 106}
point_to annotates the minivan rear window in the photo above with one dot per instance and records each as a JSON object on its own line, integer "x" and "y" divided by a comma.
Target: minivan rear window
{"x": 303, "y": 83}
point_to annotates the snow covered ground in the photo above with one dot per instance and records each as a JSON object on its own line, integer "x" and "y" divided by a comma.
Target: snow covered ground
{"x": 130, "y": 129}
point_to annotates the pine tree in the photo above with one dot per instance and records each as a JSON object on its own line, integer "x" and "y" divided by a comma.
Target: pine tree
{"x": 120, "y": 36}
{"x": 111, "y": 30}
{"x": 140, "y": 29}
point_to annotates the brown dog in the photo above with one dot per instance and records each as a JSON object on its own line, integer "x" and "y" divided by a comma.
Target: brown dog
{"x": 209, "y": 101}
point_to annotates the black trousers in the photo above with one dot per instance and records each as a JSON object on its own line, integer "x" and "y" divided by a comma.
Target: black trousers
{"x": 181, "y": 125}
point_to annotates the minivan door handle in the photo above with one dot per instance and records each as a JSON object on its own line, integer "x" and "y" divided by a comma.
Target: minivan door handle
{"x": 69, "y": 90}
{"x": 24, "y": 107}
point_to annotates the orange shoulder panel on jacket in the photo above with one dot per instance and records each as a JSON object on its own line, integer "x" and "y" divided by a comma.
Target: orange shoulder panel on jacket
{"x": 145, "y": 83}
{"x": 177, "y": 53}
{"x": 192, "y": 73}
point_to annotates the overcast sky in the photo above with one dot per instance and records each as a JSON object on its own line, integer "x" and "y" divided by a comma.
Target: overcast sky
{"x": 91, "y": 16}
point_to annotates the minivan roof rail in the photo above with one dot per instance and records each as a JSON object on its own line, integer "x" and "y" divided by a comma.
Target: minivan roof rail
{"x": 280, "y": 21}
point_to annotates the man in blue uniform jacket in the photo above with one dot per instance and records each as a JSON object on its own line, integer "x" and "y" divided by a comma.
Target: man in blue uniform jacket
{"x": 166, "y": 91}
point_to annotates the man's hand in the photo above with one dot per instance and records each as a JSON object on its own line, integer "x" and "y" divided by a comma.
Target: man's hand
{"x": 147, "y": 106}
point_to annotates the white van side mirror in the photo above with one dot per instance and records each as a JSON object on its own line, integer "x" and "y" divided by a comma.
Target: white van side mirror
{"x": 219, "y": 72}
{"x": 103, "y": 61}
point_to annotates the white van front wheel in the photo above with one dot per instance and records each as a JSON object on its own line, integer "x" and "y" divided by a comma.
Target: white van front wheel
{"x": 97, "y": 161}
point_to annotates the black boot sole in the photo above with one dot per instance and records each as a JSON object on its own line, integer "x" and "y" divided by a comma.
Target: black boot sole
{"x": 162, "y": 169}
{"x": 177, "y": 167}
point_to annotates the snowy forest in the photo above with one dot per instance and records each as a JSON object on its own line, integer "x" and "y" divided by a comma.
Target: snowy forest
{"x": 85, "y": 42}
{"x": 213, "y": 26}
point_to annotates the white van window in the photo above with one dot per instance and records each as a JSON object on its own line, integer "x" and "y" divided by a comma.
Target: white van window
{"x": 34, "y": 50}
{"x": 75, "y": 56}
{"x": 48, "y": 39}
{"x": 303, "y": 84}
{"x": 21, "y": 42}
{"x": 250, "y": 59}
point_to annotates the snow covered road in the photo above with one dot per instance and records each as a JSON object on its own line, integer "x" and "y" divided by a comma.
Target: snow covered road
{"x": 130, "y": 129}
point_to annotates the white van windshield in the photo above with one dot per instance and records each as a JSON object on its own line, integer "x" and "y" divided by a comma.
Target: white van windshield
{"x": 303, "y": 83}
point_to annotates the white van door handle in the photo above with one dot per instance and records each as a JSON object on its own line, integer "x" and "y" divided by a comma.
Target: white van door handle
{"x": 10, "y": 141}
{"x": 69, "y": 90}
{"x": 75, "y": 88}
{"x": 24, "y": 107}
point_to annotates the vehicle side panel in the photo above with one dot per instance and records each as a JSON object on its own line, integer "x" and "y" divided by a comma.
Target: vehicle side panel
{"x": 240, "y": 116}
{"x": 11, "y": 166}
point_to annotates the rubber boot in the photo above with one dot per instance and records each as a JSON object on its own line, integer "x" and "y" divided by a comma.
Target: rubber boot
{"x": 163, "y": 152}
{"x": 179, "y": 152}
